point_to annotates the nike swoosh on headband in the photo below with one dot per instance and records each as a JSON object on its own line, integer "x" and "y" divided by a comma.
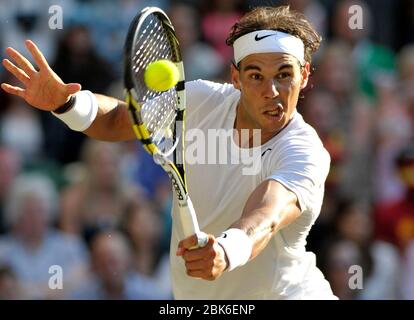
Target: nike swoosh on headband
{"x": 257, "y": 38}
{"x": 256, "y": 42}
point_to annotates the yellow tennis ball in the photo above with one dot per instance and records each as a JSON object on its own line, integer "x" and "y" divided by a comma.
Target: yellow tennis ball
{"x": 161, "y": 75}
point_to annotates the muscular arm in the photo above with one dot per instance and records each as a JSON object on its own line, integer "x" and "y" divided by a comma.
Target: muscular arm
{"x": 112, "y": 122}
{"x": 43, "y": 89}
{"x": 268, "y": 209}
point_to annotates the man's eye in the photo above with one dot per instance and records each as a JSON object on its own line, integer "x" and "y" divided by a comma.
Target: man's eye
{"x": 255, "y": 76}
{"x": 283, "y": 75}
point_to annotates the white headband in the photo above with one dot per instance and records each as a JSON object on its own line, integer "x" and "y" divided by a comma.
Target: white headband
{"x": 266, "y": 41}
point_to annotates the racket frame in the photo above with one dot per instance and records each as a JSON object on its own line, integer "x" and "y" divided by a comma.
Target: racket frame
{"x": 176, "y": 169}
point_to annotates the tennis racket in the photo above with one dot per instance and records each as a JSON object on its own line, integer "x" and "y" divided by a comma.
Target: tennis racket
{"x": 158, "y": 117}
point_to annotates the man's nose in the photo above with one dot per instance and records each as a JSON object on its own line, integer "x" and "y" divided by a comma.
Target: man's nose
{"x": 271, "y": 89}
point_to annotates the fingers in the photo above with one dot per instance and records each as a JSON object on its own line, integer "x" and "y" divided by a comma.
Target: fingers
{"x": 193, "y": 255}
{"x": 189, "y": 242}
{"x": 197, "y": 274}
{"x": 37, "y": 55}
{"x": 185, "y": 249}
{"x": 18, "y": 73}
{"x": 207, "y": 262}
{"x": 198, "y": 265}
{"x": 72, "y": 88}
{"x": 198, "y": 254}
{"x": 21, "y": 61}
{"x": 13, "y": 90}
{"x": 202, "y": 275}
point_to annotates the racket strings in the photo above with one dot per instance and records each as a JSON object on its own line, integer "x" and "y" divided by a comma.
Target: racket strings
{"x": 158, "y": 110}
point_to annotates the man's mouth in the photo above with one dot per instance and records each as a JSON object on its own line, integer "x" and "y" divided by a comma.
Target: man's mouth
{"x": 275, "y": 113}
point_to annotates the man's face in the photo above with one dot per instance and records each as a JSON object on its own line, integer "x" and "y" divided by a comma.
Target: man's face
{"x": 270, "y": 84}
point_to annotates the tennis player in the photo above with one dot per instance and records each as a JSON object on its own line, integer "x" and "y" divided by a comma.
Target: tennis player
{"x": 257, "y": 224}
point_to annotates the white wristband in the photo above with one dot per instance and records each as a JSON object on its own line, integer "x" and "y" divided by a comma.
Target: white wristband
{"x": 82, "y": 114}
{"x": 237, "y": 246}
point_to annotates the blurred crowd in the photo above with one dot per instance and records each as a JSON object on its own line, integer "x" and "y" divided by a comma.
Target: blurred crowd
{"x": 101, "y": 211}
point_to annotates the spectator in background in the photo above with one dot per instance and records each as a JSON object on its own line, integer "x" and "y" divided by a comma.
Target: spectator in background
{"x": 138, "y": 168}
{"x": 337, "y": 258}
{"x": 354, "y": 222}
{"x": 217, "y": 18}
{"x": 9, "y": 286}
{"x": 313, "y": 10}
{"x": 336, "y": 73}
{"x": 406, "y": 63}
{"x": 97, "y": 200}
{"x": 144, "y": 229}
{"x": 341, "y": 119}
{"x": 371, "y": 59}
{"x": 24, "y": 19}
{"x": 148, "y": 174}
{"x": 10, "y": 166}
{"x": 395, "y": 219}
{"x": 95, "y": 15}
{"x": 404, "y": 21}
{"x": 28, "y": 142}
{"x": 407, "y": 283}
{"x": 320, "y": 110}
{"x": 393, "y": 131}
{"x": 350, "y": 142}
{"x": 200, "y": 59}
{"x": 406, "y": 78}
{"x": 76, "y": 58}
{"x": 111, "y": 277}
{"x": 33, "y": 246}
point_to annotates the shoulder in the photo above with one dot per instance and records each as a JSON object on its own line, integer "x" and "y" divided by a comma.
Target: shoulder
{"x": 209, "y": 87}
{"x": 299, "y": 143}
{"x": 200, "y": 91}
{"x": 301, "y": 133}
{"x": 299, "y": 161}
{"x": 203, "y": 97}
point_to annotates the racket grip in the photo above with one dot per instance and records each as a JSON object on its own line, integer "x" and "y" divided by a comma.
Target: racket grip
{"x": 189, "y": 223}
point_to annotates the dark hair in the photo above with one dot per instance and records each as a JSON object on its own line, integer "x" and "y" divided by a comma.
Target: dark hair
{"x": 281, "y": 19}
{"x": 405, "y": 156}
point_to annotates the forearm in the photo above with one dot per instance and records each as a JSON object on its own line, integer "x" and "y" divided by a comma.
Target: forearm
{"x": 261, "y": 225}
{"x": 269, "y": 208}
{"x": 112, "y": 121}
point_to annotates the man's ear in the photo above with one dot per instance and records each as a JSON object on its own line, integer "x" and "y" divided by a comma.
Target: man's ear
{"x": 235, "y": 77}
{"x": 305, "y": 71}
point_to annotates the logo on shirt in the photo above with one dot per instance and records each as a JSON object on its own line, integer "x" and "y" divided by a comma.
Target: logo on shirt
{"x": 268, "y": 149}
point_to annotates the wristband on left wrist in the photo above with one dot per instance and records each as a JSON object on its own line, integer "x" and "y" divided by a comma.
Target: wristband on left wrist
{"x": 66, "y": 106}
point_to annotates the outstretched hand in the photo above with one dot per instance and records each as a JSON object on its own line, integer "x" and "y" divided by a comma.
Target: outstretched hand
{"x": 208, "y": 262}
{"x": 43, "y": 89}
